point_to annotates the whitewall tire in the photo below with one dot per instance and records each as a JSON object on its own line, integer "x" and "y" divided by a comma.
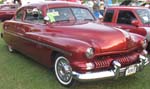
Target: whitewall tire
{"x": 63, "y": 71}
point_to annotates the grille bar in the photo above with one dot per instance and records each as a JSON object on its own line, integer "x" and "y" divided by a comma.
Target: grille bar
{"x": 106, "y": 62}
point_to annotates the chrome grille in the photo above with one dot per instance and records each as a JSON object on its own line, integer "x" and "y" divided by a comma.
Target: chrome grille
{"x": 125, "y": 59}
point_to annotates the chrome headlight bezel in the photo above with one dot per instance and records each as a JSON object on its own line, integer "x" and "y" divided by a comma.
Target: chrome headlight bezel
{"x": 89, "y": 53}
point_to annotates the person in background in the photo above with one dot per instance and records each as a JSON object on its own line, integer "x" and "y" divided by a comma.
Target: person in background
{"x": 89, "y": 4}
{"x": 17, "y": 1}
{"x": 101, "y": 7}
{"x": 109, "y": 2}
{"x": 96, "y": 11}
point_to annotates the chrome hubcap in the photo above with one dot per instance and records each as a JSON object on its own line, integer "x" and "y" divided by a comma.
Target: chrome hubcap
{"x": 64, "y": 70}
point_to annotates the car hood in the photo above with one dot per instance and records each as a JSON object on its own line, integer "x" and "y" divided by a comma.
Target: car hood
{"x": 101, "y": 37}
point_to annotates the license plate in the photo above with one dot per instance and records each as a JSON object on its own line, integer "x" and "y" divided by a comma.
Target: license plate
{"x": 131, "y": 70}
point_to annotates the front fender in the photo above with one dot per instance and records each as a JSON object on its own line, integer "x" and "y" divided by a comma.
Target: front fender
{"x": 68, "y": 46}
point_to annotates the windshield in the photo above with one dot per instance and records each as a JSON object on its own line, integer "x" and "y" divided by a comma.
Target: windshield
{"x": 144, "y": 15}
{"x": 69, "y": 14}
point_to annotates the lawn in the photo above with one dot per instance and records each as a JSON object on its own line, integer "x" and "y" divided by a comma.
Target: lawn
{"x": 20, "y": 72}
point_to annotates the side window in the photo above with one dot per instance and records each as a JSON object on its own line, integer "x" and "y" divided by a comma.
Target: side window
{"x": 34, "y": 15}
{"x": 125, "y": 17}
{"x": 19, "y": 15}
{"x": 109, "y": 16}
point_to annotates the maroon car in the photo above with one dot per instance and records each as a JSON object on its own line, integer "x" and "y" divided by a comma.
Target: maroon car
{"x": 7, "y": 11}
{"x": 132, "y": 19}
{"x": 66, "y": 37}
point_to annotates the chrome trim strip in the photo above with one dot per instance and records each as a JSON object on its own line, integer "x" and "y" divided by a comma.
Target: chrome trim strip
{"x": 39, "y": 43}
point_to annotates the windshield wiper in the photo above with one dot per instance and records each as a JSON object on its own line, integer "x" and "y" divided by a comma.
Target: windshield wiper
{"x": 67, "y": 20}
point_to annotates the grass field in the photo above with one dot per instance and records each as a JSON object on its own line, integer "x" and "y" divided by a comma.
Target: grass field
{"x": 20, "y": 72}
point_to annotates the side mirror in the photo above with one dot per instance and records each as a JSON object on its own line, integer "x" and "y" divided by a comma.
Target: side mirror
{"x": 46, "y": 18}
{"x": 135, "y": 23}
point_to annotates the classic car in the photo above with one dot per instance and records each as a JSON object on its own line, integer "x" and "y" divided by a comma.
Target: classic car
{"x": 132, "y": 19}
{"x": 7, "y": 11}
{"x": 67, "y": 37}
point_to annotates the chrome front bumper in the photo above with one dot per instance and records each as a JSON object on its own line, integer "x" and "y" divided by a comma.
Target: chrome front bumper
{"x": 114, "y": 73}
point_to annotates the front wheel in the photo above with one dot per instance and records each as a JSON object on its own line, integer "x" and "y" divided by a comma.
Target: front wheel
{"x": 63, "y": 71}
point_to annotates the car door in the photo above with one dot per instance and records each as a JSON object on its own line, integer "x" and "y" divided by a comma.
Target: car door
{"x": 124, "y": 21}
{"x": 12, "y": 37}
{"x": 31, "y": 41}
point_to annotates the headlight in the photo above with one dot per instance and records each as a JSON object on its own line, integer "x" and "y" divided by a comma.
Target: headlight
{"x": 89, "y": 53}
{"x": 144, "y": 44}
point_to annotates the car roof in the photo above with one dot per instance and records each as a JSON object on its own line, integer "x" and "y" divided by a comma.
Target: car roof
{"x": 54, "y": 4}
{"x": 127, "y": 7}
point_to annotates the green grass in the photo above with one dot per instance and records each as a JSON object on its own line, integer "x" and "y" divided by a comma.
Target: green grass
{"x": 20, "y": 72}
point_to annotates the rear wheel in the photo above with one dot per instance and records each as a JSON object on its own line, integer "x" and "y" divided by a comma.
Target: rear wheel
{"x": 63, "y": 71}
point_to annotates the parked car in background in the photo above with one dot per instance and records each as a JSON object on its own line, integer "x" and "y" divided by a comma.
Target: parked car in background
{"x": 132, "y": 19}
{"x": 66, "y": 37}
{"x": 7, "y": 11}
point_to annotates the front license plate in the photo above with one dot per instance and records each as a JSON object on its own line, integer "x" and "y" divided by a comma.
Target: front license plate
{"x": 131, "y": 70}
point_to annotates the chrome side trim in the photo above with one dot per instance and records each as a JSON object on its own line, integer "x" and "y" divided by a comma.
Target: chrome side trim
{"x": 113, "y": 73}
{"x": 39, "y": 43}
